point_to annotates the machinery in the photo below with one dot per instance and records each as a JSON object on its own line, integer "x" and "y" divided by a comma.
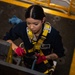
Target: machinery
{"x": 62, "y": 8}
{"x": 10, "y": 64}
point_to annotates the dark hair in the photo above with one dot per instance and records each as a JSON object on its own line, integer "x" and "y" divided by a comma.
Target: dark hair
{"x": 35, "y": 12}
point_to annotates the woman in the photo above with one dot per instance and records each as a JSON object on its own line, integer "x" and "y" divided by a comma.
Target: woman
{"x": 41, "y": 41}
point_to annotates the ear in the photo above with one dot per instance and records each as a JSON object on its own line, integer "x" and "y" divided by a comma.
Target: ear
{"x": 44, "y": 19}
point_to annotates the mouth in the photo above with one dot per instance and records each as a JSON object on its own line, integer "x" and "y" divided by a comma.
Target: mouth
{"x": 34, "y": 31}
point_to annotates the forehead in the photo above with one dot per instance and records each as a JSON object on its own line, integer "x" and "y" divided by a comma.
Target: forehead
{"x": 31, "y": 20}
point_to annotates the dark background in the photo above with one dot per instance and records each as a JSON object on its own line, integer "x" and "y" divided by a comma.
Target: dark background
{"x": 65, "y": 26}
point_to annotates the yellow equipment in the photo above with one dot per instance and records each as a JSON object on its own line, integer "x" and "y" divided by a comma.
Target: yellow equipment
{"x": 5, "y": 51}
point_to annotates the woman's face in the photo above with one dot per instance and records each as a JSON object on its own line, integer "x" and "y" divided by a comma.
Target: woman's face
{"x": 34, "y": 25}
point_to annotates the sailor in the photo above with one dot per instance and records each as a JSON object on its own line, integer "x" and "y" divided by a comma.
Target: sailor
{"x": 42, "y": 43}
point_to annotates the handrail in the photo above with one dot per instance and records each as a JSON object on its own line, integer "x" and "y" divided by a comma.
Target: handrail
{"x": 48, "y": 8}
{"x": 47, "y": 3}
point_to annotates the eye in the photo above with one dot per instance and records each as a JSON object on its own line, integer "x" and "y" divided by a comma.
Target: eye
{"x": 36, "y": 23}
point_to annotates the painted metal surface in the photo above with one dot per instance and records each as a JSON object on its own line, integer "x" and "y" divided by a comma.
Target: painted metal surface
{"x": 48, "y": 7}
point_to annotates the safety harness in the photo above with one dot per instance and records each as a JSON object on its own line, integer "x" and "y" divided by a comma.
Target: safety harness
{"x": 37, "y": 45}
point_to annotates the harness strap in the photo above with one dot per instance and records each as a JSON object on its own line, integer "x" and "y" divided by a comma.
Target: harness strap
{"x": 37, "y": 45}
{"x": 52, "y": 69}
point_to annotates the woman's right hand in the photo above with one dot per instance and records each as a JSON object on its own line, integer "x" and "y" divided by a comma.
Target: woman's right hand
{"x": 20, "y": 51}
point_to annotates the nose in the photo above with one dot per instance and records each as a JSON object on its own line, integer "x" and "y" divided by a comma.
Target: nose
{"x": 31, "y": 26}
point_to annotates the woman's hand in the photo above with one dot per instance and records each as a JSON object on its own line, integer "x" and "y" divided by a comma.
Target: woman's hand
{"x": 52, "y": 56}
{"x": 20, "y": 51}
{"x": 40, "y": 58}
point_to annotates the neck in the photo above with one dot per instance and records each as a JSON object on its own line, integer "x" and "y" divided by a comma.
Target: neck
{"x": 38, "y": 33}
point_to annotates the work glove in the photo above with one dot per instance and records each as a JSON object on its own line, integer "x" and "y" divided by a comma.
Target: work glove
{"x": 20, "y": 51}
{"x": 40, "y": 58}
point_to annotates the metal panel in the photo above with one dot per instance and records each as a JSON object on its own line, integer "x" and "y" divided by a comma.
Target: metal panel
{"x": 11, "y": 69}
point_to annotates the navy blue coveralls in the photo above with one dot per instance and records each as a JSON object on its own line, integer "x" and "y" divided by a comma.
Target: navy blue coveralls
{"x": 52, "y": 42}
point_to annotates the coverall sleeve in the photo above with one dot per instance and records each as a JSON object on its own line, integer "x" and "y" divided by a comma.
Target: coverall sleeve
{"x": 13, "y": 34}
{"x": 58, "y": 45}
